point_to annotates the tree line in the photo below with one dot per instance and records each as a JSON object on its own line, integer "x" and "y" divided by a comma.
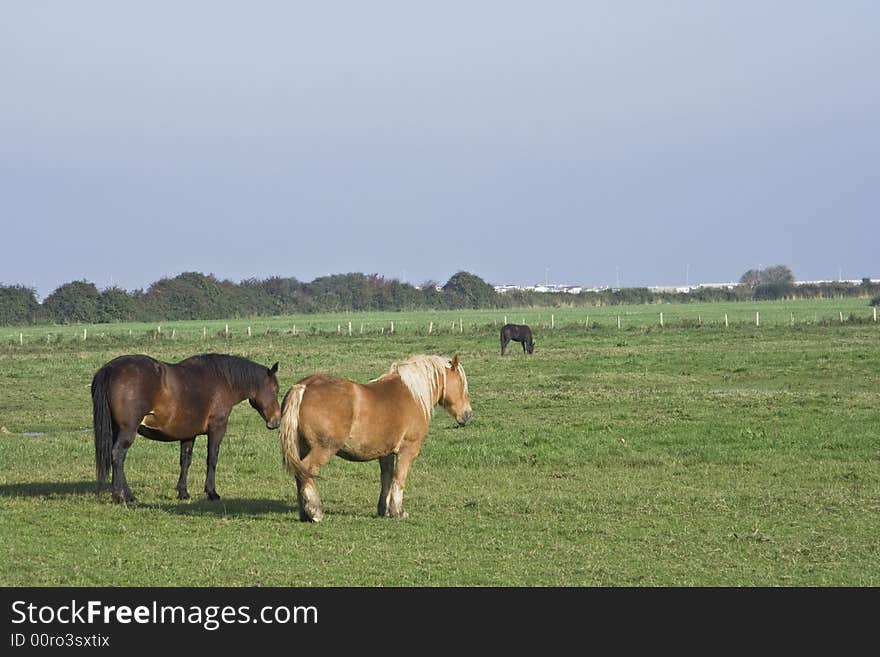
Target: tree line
{"x": 193, "y": 295}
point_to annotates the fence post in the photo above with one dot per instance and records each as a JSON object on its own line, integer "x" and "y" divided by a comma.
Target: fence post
{"x": 430, "y": 328}
{"x": 875, "y": 313}
{"x": 21, "y": 339}
{"x": 505, "y": 319}
{"x": 249, "y": 331}
{"x": 587, "y": 322}
{"x": 227, "y": 330}
{"x": 618, "y": 321}
{"x": 661, "y": 319}
{"x": 294, "y": 329}
{"x": 204, "y": 333}
{"x": 173, "y": 333}
{"x": 349, "y": 329}
{"x": 725, "y": 321}
{"x": 460, "y": 326}
{"x": 552, "y": 321}
{"x": 392, "y": 327}
{"x": 757, "y": 318}
{"x": 85, "y": 333}
{"x": 792, "y": 319}
{"x": 840, "y": 312}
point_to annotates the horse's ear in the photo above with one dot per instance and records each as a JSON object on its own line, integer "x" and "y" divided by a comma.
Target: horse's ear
{"x": 454, "y": 362}
{"x": 273, "y": 369}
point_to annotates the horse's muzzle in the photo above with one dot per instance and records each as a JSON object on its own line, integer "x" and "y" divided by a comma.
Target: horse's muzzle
{"x": 274, "y": 423}
{"x": 464, "y": 417}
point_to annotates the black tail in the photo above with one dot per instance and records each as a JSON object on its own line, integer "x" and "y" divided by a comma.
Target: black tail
{"x": 103, "y": 423}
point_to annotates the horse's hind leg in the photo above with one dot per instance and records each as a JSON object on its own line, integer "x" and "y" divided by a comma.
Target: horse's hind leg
{"x": 124, "y": 439}
{"x": 386, "y": 465}
{"x": 186, "y": 453}
{"x": 307, "y": 493}
{"x": 503, "y": 345}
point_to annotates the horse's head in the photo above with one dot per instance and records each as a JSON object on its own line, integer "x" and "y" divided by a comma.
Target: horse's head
{"x": 265, "y": 401}
{"x": 455, "y": 396}
{"x": 530, "y": 346}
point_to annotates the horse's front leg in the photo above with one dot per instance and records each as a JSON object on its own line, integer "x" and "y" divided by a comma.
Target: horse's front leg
{"x": 186, "y": 453}
{"x": 216, "y": 431}
{"x": 386, "y": 466}
{"x": 407, "y": 455}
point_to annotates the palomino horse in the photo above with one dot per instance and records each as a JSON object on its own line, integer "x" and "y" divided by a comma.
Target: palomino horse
{"x": 385, "y": 419}
{"x": 140, "y": 395}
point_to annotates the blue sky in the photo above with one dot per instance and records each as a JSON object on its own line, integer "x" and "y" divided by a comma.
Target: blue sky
{"x": 580, "y": 142}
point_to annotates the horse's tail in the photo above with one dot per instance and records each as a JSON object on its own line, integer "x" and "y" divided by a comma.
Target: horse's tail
{"x": 103, "y": 423}
{"x": 290, "y": 431}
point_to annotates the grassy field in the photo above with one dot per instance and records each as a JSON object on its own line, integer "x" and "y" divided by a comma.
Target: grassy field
{"x": 694, "y": 454}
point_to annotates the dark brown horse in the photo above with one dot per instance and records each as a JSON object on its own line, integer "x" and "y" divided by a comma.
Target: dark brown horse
{"x": 163, "y": 401}
{"x": 517, "y": 333}
{"x": 385, "y": 419}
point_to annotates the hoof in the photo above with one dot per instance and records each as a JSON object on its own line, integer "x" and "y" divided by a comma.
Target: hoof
{"x": 182, "y": 495}
{"x": 213, "y": 496}
{"x": 317, "y": 516}
{"x": 123, "y": 498}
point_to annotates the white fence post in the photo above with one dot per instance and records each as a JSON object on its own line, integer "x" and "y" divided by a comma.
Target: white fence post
{"x": 552, "y": 321}
{"x": 661, "y": 319}
{"x": 618, "y": 321}
{"x": 349, "y": 329}
{"x": 726, "y": 324}
{"x": 430, "y": 328}
{"x": 757, "y": 318}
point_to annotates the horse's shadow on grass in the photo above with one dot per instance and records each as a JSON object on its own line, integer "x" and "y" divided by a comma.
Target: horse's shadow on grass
{"x": 48, "y": 488}
{"x": 226, "y": 506}
{"x": 223, "y": 507}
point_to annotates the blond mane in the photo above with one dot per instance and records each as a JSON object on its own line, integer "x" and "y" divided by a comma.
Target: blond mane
{"x": 425, "y": 378}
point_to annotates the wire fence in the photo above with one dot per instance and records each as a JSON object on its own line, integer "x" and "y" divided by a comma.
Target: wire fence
{"x": 618, "y": 318}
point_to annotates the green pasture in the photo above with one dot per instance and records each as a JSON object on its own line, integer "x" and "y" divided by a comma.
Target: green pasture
{"x": 693, "y": 454}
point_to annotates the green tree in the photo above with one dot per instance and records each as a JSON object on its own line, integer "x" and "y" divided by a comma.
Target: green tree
{"x": 190, "y": 295}
{"x": 73, "y": 302}
{"x": 18, "y": 305}
{"x": 772, "y": 274}
{"x": 116, "y": 305}
{"x": 466, "y": 290}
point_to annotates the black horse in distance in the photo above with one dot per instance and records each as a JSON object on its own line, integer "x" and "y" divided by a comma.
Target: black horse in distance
{"x": 517, "y": 333}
